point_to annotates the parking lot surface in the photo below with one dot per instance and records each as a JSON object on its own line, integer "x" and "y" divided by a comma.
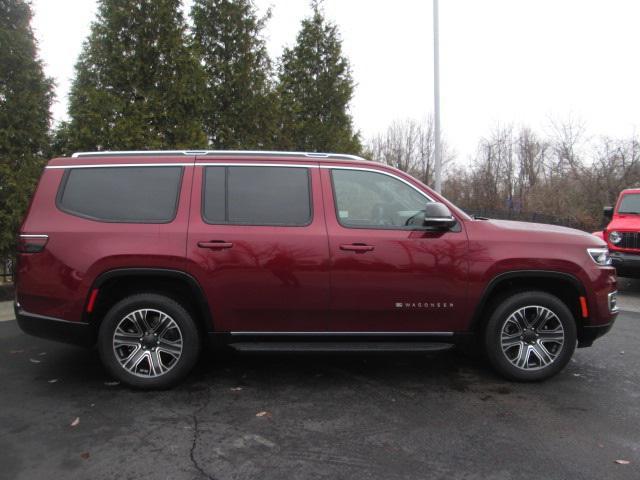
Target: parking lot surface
{"x": 333, "y": 416}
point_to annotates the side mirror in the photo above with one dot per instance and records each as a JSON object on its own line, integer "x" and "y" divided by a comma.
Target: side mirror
{"x": 608, "y": 212}
{"x": 437, "y": 216}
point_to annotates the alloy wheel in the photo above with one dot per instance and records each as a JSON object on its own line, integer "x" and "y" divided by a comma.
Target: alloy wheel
{"x": 532, "y": 337}
{"x": 147, "y": 343}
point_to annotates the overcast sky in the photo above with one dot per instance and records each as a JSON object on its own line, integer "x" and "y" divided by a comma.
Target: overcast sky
{"x": 502, "y": 61}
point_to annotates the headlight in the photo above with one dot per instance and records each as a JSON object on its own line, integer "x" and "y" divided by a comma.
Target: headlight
{"x": 615, "y": 237}
{"x": 600, "y": 255}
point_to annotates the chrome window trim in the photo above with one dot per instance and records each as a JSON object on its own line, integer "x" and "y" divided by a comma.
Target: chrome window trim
{"x": 241, "y": 164}
{"x": 29, "y": 235}
{"x": 112, "y": 165}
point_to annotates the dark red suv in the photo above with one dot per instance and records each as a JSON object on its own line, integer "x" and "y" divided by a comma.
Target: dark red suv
{"x": 146, "y": 254}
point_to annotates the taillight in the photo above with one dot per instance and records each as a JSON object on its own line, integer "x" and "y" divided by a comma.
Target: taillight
{"x": 32, "y": 243}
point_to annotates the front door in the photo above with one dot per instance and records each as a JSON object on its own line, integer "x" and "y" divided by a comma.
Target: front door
{"x": 386, "y": 275}
{"x": 258, "y": 246}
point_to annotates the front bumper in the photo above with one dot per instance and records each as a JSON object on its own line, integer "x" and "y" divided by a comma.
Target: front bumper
{"x": 76, "y": 333}
{"x": 588, "y": 333}
{"x": 627, "y": 264}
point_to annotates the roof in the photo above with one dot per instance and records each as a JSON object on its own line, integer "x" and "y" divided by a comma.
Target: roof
{"x": 216, "y": 153}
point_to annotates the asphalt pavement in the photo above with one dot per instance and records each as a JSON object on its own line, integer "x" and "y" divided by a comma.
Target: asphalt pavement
{"x": 311, "y": 417}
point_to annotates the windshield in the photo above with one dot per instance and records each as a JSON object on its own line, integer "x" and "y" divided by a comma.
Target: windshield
{"x": 630, "y": 203}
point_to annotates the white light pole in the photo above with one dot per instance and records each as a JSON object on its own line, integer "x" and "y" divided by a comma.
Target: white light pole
{"x": 436, "y": 98}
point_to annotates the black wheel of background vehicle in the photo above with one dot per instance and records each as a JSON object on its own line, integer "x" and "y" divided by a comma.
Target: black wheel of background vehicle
{"x": 148, "y": 341}
{"x": 530, "y": 336}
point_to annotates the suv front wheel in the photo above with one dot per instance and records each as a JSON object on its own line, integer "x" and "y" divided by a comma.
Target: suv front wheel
{"x": 148, "y": 341}
{"x": 530, "y": 336}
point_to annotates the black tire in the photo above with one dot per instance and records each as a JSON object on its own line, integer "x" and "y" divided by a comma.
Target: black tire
{"x": 184, "y": 329}
{"x": 536, "y": 369}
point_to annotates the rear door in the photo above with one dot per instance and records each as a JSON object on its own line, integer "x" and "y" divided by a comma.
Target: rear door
{"x": 257, "y": 244}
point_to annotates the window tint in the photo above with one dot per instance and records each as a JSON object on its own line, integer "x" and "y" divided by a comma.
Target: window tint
{"x": 257, "y": 196}
{"x": 375, "y": 200}
{"x": 122, "y": 194}
{"x": 215, "y": 205}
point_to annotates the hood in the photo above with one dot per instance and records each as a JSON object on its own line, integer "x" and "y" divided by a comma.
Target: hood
{"x": 547, "y": 233}
{"x": 624, "y": 222}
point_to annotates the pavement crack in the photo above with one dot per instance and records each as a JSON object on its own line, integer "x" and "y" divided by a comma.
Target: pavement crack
{"x": 194, "y": 444}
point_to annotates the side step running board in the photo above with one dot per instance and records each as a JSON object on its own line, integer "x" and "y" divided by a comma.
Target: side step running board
{"x": 327, "y": 347}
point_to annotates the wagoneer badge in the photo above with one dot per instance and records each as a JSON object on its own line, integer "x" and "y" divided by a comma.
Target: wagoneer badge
{"x": 424, "y": 305}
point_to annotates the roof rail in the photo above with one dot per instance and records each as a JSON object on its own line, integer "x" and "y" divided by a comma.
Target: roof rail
{"x": 256, "y": 153}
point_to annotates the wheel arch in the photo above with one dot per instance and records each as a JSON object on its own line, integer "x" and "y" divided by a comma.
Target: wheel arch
{"x": 116, "y": 284}
{"x": 563, "y": 285}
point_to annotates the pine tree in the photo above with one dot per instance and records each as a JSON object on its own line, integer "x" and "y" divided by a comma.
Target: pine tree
{"x": 137, "y": 82}
{"x": 25, "y": 100}
{"x": 315, "y": 87}
{"x": 239, "y": 110}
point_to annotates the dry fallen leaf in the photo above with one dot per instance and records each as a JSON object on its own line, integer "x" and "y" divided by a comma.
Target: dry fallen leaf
{"x": 33, "y": 360}
{"x": 263, "y": 414}
{"x": 53, "y": 380}
{"x": 76, "y": 422}
{"x": 111, "y": 384}
{"x": 84, "y": 455}
{"x": 623, "y": 462}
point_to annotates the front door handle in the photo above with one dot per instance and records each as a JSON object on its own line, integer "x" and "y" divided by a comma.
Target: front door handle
{"x": 215, "y": 245}
{"x": 357, "y": 247}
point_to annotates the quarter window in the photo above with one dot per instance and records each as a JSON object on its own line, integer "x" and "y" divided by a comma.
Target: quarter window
{"x": 122, "y": 194}
{"x": 375, "y": 200}
{"x": 257, "y": 196}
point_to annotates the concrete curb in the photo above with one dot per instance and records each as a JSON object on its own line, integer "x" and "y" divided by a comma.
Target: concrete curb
{"x": 6, "y": 311}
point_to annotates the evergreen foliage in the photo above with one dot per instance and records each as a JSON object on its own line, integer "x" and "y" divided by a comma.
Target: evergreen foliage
{"x": 239, "y": 110}
{"x": 137, "y": 84}
{"x": 315, "y": 87}
{"x": 25, "y": 99}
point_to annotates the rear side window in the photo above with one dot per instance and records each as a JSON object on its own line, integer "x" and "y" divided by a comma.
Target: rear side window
{"x": 122, "y": 194}
{"x": 257, "y": 196}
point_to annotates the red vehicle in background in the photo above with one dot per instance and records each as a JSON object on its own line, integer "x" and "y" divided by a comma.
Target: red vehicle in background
{"x": 622, "y": 234}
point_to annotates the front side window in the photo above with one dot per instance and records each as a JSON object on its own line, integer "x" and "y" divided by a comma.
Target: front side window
{"x": 375, "y": 200}
{"x": 630, "y": 203}
{"x": 122, "y": 194}
{"x": 257, "y": 196}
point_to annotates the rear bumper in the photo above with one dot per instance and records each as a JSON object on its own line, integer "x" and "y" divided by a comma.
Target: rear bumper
{"x": 627, "y": 264}
{"x": 76, "y": 333}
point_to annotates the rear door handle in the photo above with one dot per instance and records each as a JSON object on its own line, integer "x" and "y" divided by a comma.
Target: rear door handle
{"x": 215, "y": 245}
{"x": 357, "y": 247}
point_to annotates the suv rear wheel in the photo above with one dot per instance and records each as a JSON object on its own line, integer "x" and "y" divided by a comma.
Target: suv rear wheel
{"x": 530, "y": 336}
{"x": 148, "y": 341}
